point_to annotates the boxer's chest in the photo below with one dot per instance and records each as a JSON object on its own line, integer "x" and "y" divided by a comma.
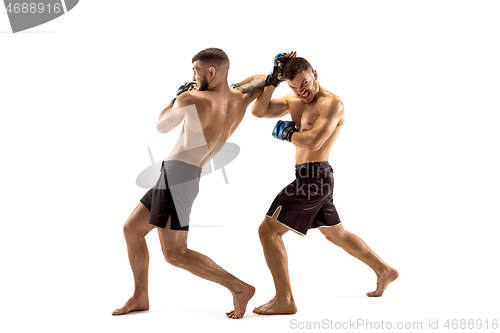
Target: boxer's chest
{"x": 305, "y": 117}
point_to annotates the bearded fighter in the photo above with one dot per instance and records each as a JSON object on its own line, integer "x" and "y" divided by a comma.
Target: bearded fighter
{"x": 211, "y": 111}
{"x": 317, "y": 119}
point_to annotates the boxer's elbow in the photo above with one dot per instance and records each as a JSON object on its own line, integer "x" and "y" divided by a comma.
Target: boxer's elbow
{"x": 258, "y": 111}
{"x": 312, "y": 147}
{"x": 313, "y": 144}
{"x": 256, "y": 114}
{"x": 160, "y": 126}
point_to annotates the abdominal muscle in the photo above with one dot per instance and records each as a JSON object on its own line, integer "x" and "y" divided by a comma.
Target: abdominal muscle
{"x": 322, "y": 154}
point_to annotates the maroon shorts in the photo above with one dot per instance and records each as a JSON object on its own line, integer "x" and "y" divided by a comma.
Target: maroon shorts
{"x": 307, "y": 202}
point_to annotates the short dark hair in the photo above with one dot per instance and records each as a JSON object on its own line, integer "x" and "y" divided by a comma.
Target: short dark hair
{"x": 294, "y": 66}
{"x": 212, "y": 56}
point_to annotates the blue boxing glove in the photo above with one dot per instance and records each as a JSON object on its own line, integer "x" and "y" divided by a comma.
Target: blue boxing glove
{"x": 276, "y": 76}
{"x": 284, "y": 130}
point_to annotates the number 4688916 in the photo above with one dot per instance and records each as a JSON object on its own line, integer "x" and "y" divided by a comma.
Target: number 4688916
{"x": 33, "y": 8}
{"x": 471, "y": 324}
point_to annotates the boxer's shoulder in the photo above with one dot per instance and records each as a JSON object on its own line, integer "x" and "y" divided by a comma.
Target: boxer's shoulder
{"x": 198, "y": 98}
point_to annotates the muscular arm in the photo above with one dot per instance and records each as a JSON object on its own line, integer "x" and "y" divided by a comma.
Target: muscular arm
{"x": 264, "y": 107}
{"x": 323, "y": 127}
{"x": 251, "y": 87}
{"x": 173, "y": 114}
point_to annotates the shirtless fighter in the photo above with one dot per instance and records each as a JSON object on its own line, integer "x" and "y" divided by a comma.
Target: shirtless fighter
{"x": 317, "y": 119}
{"x": 211, "y": 112}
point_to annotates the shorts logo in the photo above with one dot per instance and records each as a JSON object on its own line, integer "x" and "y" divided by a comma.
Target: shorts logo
{"x": 26, "y": 14}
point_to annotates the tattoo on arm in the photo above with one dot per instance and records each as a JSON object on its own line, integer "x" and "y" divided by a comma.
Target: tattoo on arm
{"x": 255, "y": 85}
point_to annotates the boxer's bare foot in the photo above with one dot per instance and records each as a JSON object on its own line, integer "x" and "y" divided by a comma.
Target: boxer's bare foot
{"x": 276, "y": 307}
{"x": 240, "y": 300}
{"x": 265, "y": 306}
{"x": 383, "y": 280}
{"x": 135, "y": 303}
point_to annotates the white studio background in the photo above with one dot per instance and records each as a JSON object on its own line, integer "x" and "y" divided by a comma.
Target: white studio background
{"x": 415, "y": 165}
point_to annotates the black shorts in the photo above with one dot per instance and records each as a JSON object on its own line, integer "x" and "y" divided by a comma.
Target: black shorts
{"x": 307, "y": 202}
{"x": 173, "y": 194}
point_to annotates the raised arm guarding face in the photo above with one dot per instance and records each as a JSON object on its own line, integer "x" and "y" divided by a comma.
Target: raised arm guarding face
{"x": 264, "y": 107}
{"x": 251, "y": 87}
{"x": 173, "y": 114}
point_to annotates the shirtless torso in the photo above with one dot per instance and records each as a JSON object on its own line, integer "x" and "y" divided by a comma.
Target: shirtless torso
{"x": 209, "y": 122}
{"x": 318, "y": 122}
{"x": 210, "y": 118}
{"x": 305, "y": 115}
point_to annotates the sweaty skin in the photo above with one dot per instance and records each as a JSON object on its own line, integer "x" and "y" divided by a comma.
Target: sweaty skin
{"x": 318, "y": 119}
{"x": 210, "y": 118}
{"x": 319, "y": 116}
{"x": 305, "y": 117}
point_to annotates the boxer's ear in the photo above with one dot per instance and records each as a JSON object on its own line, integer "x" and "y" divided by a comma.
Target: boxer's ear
{"x": 212, "y": 71}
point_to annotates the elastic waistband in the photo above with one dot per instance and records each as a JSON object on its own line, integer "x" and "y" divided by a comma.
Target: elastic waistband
{"x": 182, "y": 164}
{"x": 311, "y": 164}
{"x": 313, "y": 170}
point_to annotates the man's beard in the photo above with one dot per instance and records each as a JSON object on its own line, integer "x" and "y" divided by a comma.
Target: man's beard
{"x": 203, "y": 84}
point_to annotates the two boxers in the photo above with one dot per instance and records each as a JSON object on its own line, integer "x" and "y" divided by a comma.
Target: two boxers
{"x": 211, "y": 111}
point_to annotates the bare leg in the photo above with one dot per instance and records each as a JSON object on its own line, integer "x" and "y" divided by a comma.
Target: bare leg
{"x": 356, "y": 247}
{"x": 270, "y": 232}
{"x": 175, "y": 251}
{"x": 135, "y": 230}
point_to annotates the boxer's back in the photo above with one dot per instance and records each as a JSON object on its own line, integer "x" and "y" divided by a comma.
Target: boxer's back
{"x": 210, "y": 119}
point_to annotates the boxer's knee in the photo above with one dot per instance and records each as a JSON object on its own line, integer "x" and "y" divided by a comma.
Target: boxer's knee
{"x": 270, "y": 228}
{"x": 174, "y": 256}
{"x": 265, "y": 229}
{"x": 335, "y": 234}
